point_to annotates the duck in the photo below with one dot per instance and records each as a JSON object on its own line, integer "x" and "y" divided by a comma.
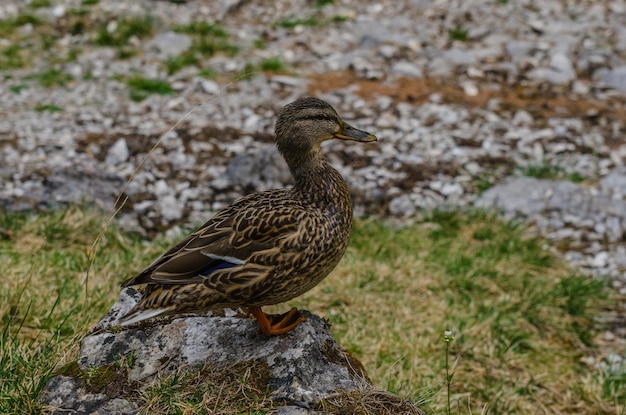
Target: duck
{"x": 267, "y": 247}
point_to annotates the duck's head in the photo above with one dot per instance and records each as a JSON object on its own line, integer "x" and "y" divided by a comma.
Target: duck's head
{"x": 307, "y": 122}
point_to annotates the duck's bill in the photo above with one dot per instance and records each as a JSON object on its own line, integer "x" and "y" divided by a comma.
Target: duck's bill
{"x": 348, "y": 132}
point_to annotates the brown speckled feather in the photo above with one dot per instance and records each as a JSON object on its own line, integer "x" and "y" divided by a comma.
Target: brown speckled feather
{"x": 267, "y": 247}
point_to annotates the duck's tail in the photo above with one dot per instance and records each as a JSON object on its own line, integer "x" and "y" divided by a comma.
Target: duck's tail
{"x": 162, "y": 300}
{"x": 157, "y": 301}
{"x": 137, "y": 314}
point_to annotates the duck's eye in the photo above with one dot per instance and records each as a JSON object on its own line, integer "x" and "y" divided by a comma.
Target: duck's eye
{"x": 317, "y": 117}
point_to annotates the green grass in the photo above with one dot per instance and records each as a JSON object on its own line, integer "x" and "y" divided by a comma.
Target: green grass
{"x": 547, "y": 170}
{"x": 51, "y": 77}
{"x": 44, "y": 304}
{"x": 458, "y": 33}
{"x": 48, "y": 108}
{"x": 259, "y": 43}
{"x": 16, "y": 89}
{"x": 11, "y": 57}
{"x": 483, "y": 182}
{"x": 8, "y": 26}
{"x": 273, "y": 64}
{"x": 340, "y": 18}
{"x": 208, "y": 73}
{"x": 207, "y": 46}
{"x": 248, "y": 71}
{"x": 519, "y": 316}
{"x": 174, "y": 65}
{"x": 35, "y": 4}
{"x": 323, "y": 3}
{"x": 290, "y": 23}
{"x": 141, "y": 87}
{"x": 207, "y": 40}
{"x": 126, "y": 28}
{"x": 202, "y": 28}
{"x": 139, "y": 27}
{"x": 41, "y": 41}
{"x": 520, "y": 319}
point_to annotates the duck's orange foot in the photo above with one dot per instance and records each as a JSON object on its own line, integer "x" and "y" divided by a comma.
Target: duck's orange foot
{"x": 273, "y": 324}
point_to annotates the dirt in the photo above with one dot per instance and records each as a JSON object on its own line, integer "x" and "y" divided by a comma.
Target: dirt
{"x": 540, "y": 103}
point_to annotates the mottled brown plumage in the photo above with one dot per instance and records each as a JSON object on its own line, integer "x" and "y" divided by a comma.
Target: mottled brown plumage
{"x": 267, "y": 247}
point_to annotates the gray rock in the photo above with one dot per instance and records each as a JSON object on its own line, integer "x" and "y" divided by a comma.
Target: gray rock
{"x": 402, "y": 206}
{"x": 299, "y": 361}
{"x": 614, "y": 184}
{"x": 517, "y": 49}
{"x": 581, "y": 87}
{"x": 537, "y": 25}
{"x": 58, "y": 11}
{"x": 210, "y": 87}
{"x": 600, "y": 260}
{"x": 523, "y": 118}
{"x": 74, "y": 185}
{"x": 460, "y": 57}
{"x": 262, "y": 169}
{"x": 519, "y": 196}
{"x": 568, "y": 197}
{"x": 560, "y": 72}
{"x": 439, "y": 66}
{"x": 169, "y": 45}
{"x": 404, "y": 68}
{"x": 470, "y": 88}
{"x": 616, "y": 78}
{"x": 57, "y": 391}
{"x": 118, "y": 153}
{"x": 305, "y": 365}
{"x": 526, "y": 196}
{"x": 290, "y": 81}
{"x": 171, "y": 208}
{"x": 551, "y": 204}
{"x": 365, "y": 68}
{"x": 560, "y": 62}
{"x": 620, "y": 37}
{"x": 295, "y": 410}
{"x": 615, "y": 229}
{"x": 387, "y": 51}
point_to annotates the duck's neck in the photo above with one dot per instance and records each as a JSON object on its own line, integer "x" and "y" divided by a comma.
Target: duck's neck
{"x": 307, "y": 168}
{"x": 319, "y": 182}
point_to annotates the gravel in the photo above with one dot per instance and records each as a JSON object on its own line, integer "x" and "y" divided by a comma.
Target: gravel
{"x": 463, "y": 95}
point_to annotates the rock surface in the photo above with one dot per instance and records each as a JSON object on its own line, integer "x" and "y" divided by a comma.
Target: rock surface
{"x": 305, "y": 365}
{"x": 67, "y": 395}
{"x": 590, "y": 224}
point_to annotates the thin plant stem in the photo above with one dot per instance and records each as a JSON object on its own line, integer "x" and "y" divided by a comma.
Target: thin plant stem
{"x": 447, "y": 338}
{"x": 448, "y": 374}
{"x": 121, "y": 199}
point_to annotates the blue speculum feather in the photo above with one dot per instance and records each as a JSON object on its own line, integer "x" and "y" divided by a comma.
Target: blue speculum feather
{"x": 216, "y": 266}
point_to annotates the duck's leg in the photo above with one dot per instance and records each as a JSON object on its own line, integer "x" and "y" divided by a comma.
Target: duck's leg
{"x": 271, "y": 324}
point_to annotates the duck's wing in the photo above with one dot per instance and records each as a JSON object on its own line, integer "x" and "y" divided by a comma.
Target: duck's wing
{"x": 227, "y": 240}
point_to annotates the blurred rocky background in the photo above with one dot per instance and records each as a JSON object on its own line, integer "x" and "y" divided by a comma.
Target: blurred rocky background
{"x": 513, "y": 104}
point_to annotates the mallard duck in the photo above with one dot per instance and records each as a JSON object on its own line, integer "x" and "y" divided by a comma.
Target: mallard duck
{"x": 267, "y": 247}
